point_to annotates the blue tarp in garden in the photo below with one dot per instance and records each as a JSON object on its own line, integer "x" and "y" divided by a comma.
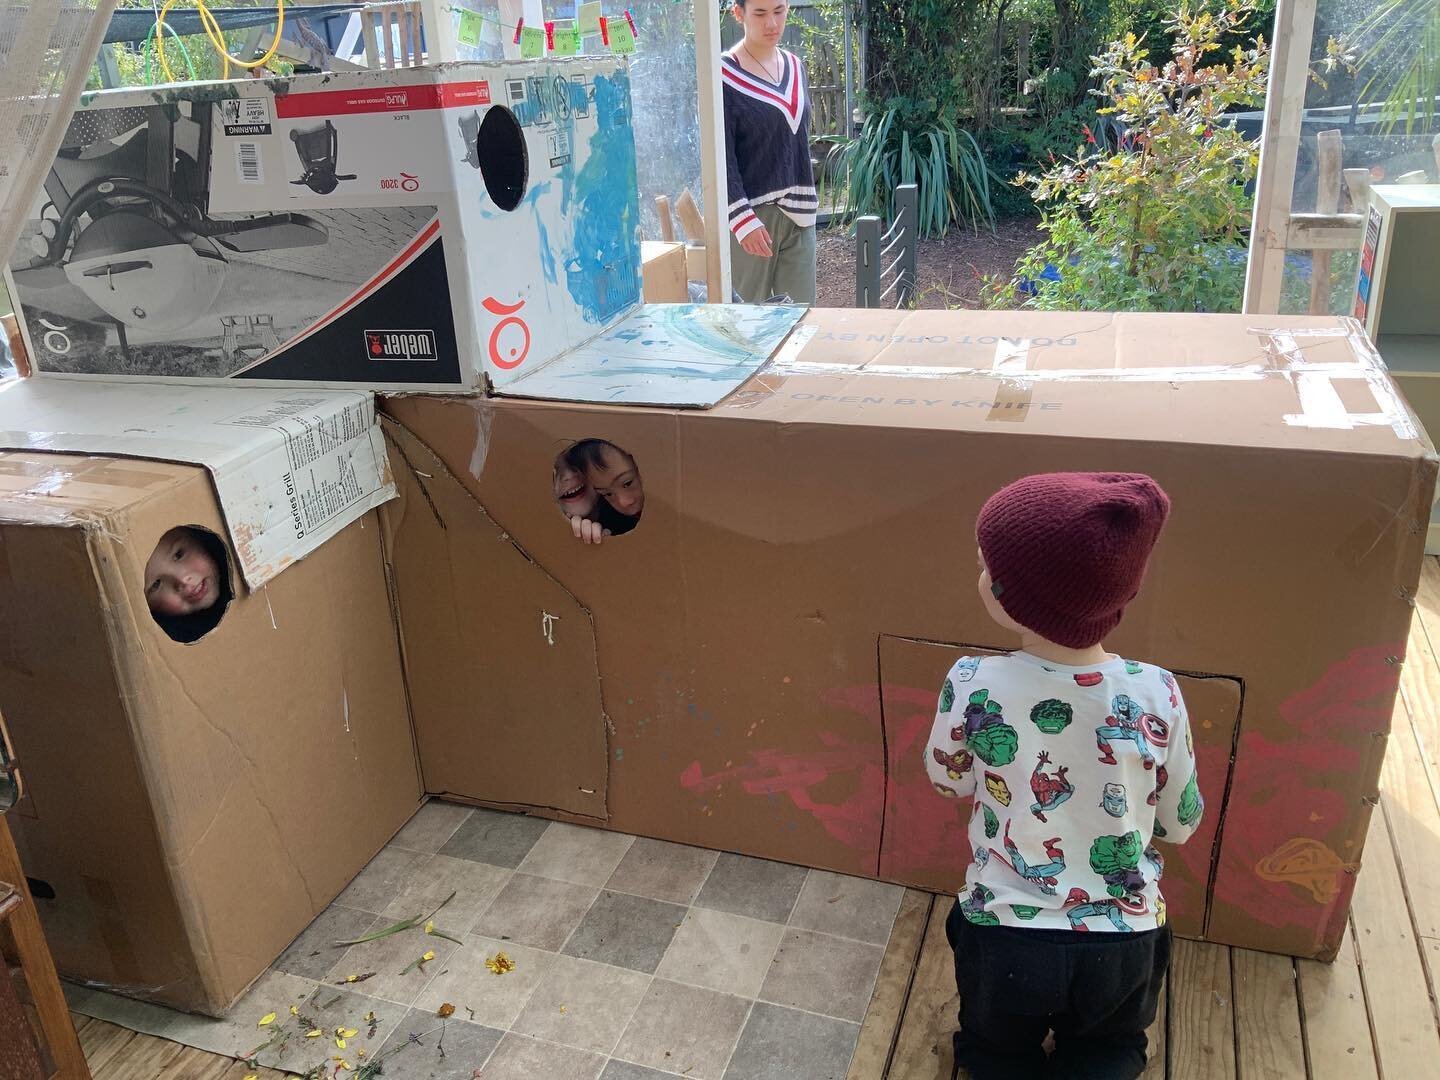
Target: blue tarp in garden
{"x": 134, "y": 24}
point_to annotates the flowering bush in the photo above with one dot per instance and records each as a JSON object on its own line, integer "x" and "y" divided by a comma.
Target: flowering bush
{"x": 1156, "y": 224}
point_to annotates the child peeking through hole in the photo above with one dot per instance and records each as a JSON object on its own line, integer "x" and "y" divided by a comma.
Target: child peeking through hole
{"x": 598, "y": 489}
{"x": 187, "y": 582}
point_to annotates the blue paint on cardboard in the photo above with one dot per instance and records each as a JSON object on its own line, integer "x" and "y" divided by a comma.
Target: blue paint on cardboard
{"x": 602, "y": 265}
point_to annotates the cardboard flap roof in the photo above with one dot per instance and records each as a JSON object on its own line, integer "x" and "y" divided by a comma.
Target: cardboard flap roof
{"x": 1299, "y": 382}
{"x": 291, "y": 468}
{"x": 63, "y": 489}
{"x": 680, "y": 355}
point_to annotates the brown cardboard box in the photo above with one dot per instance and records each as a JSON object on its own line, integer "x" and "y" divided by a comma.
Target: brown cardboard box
{"x": 192, "y": 807}
{"x": 662, "y": 265}
{"x": 771, "y": 636}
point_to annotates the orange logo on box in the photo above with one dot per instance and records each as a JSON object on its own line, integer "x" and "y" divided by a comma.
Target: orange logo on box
{"x": 518, "y": 349}
{"x": 404, "y": 182}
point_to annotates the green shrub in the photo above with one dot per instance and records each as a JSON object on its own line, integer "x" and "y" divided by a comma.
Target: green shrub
{"x": 1155, "y": 225}
{"x": 905, "y": 144}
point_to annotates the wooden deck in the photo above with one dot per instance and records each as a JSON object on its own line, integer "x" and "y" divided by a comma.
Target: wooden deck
{"x": 1227, "y": 1013}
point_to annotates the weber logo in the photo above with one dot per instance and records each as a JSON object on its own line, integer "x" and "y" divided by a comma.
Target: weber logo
{"x": 400, "y": 345}
{"x": 397, "y": 99}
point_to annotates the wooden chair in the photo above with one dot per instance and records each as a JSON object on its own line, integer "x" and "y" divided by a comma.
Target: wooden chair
{"x": 379, "y": 24}
{"x": 20, "y": 1056}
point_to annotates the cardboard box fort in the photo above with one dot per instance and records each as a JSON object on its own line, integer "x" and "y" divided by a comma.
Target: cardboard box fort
{"x": 755, "y": 667}
{"x": 419, "y": 229}
{"x": 191, "y": 807}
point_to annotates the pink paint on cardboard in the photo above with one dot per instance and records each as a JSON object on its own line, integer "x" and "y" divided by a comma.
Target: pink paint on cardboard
{"x": 853, "y": 820}
{"x": 1285, "y": 808}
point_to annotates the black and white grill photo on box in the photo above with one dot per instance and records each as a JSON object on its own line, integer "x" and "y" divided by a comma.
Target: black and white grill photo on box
{"x": 435, "y": 228}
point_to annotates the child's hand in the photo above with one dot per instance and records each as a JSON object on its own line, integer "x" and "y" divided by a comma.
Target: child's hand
{"x": 587, "y": 532}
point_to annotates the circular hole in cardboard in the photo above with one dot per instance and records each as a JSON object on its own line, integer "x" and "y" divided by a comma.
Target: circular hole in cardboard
{"x": 187, "y": 582}
{"x": 500, "y": 152}
{"x": 597, "y": 486}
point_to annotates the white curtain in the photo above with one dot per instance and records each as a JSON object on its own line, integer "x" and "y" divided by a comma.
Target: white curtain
{"x": 46, "y": 50}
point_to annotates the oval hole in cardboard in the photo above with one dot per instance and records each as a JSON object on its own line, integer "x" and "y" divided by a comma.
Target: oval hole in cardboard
{"x": 599, "y": 484}
{"x": 500, "y": 152}
{"x": 187, "y": 582}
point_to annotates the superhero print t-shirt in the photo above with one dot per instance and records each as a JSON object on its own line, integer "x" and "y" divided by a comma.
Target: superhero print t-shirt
{"x": 1073, "y": 771}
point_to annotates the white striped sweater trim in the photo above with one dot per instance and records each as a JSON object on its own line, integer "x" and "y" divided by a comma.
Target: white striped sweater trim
{"x": 743, "y": 220}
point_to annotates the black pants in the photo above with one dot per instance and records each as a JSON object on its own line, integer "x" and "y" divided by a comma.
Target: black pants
{"x": 1097, "y": 991}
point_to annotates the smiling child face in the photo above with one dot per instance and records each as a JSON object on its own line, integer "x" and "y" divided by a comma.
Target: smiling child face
{"x": 573, "y": 491}
{"x": 181, "y": 577}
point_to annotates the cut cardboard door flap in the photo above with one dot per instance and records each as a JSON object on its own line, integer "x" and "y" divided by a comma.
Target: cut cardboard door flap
{"x": 291, "y": 468}
{"x": 677, "y": 355}
{"x": 509, "y": 709}
{"x": 925, "y": 842}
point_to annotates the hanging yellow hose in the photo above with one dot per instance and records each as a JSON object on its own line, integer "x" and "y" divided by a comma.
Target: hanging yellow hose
{"x": 217, "y": 38}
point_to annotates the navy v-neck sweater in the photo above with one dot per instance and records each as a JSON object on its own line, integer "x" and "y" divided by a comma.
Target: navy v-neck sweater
{"x": 767, "y": 144}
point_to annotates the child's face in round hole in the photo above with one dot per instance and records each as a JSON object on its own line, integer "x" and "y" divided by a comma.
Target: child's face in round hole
{"x": 181, "y": 577}
{"x": 992, "y": 605}
{"x": 573, "y": 491}
{"x": 617, "y": 481}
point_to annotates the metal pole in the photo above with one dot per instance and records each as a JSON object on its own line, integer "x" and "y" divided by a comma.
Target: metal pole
{"x": 864, "y": 43}
{"x": 847, "y": 129}
{"x": 907, "y": 212}
{"x": 867, "y": 261}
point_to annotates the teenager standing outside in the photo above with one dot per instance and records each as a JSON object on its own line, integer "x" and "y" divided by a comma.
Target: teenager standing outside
{"x": 771, "y": 183}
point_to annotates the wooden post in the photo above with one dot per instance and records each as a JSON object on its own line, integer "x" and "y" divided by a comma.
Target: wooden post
{"x": 439, "y": 32}
{"x": 1357, "y": 182}
{"x": 690, "y": 218}
{"x": 667, "y": 223}
{"x": 1329, "y": 155}
{"x": 1279, "y": 147}
{"x": 39, "y": 968}
{"x": 712, "y": 151}
{"x": 19, "y": 1055}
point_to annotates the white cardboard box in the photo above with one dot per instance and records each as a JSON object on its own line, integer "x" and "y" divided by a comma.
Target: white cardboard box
{"x": 291, "y": 467}
{"x": 420, "y": 229}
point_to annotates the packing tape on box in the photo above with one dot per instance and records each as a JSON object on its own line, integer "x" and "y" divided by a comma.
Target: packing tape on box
{"x": 1282, "y": 356}
{"x": 1320, "y": 403}
{"x": 1013, "y": 397}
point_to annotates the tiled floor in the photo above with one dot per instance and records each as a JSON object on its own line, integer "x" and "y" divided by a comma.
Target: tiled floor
{"x": 634, "y": 959}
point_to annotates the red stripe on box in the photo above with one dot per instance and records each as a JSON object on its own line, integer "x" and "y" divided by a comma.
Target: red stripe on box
{"x": 381, "y": 99}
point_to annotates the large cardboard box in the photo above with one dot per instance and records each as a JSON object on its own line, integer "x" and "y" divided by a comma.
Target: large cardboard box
{"x": 190, "y": 808}
{"x": 425, "y": 228}
{"x": 755, "y": 666}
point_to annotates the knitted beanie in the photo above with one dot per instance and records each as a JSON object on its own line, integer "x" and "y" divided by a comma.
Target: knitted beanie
{"x": 1067, "y": 551}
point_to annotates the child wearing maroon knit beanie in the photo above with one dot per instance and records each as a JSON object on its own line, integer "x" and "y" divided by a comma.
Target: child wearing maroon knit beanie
{"x": 1075, "y": 759}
